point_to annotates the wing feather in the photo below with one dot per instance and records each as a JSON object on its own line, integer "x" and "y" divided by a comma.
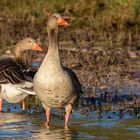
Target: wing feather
{"x": 10, "y": 72}
{"x": 74, "y": 79}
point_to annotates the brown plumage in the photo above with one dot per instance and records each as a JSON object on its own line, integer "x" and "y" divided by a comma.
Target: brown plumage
{"x": 14, "y": 74}
{"x": 10, "y": 72}
{"x": 56, "y": 85}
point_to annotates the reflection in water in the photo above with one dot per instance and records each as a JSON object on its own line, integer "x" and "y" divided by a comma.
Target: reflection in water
{"x": 21, "y": 126}
{"x": 55, "y": 134}
{"x": 15, "y": 125}
{"x": 29, "y": 127}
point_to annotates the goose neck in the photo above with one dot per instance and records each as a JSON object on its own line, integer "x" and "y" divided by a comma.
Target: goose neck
{"x": 53, "y": 48}
{"x": 53, "y": 39}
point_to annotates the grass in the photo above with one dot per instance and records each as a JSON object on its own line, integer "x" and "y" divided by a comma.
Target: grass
{"x": 104, "y": 18}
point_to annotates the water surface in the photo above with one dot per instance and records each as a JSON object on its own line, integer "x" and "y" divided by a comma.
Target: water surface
{"x": 17, "y": 125}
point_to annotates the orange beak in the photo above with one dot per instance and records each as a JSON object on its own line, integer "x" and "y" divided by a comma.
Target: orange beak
{"x": 37, "y": 47}
{"x": 62, "y": 22}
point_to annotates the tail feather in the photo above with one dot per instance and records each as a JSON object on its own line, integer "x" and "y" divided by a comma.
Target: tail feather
{"x": 27, "y": 91}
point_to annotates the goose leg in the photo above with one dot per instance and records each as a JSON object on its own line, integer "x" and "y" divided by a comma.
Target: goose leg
{"x": 23, "y": 105}
{"x": 1, "y": 104}
{"x": 66, "y": 119}
{"x": 67, "y": 115}
{"x": 48, "y": 110}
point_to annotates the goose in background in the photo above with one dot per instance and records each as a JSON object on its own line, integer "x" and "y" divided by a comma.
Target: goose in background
{"x": 15, "y": 77}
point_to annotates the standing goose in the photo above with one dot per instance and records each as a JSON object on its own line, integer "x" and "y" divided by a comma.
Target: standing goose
{"x": 14, "y": 82}
{"x": 55, "y": 85}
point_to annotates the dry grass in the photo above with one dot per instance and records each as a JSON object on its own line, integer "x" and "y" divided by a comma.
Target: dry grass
{"x": 109, "y": 21}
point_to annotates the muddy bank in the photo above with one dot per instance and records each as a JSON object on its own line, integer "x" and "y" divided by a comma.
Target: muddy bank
{"x": 95, "y": 66}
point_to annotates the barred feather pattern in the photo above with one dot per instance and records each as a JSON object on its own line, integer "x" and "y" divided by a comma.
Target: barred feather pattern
{"x": 10, "y": 72}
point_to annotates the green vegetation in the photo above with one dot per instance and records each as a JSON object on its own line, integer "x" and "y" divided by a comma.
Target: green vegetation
{"x": 108, "y": 20}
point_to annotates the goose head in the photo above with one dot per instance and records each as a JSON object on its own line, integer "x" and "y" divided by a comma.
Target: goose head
{"x": 25, "y": 44}
{"x": 28, "y": 44}
{"x": 56, "y": 20}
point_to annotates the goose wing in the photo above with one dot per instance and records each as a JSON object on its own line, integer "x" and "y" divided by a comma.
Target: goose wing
{"x": 10, "y": 72}
{"x": 74, "y": 79}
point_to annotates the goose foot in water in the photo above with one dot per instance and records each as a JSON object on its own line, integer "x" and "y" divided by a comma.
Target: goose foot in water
{"x": 48, "y": 118}
{"x": 67, "y": 115}
{"x": 1, "y": 104}
{"x": 66, "y": 119}
{"x": 23, "y": 105}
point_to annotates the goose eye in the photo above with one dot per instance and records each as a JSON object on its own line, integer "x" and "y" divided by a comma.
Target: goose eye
{"x": 54, "y": 16}
{"x": 29, "y": 41}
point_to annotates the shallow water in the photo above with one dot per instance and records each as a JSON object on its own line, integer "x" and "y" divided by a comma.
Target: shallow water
{"x": 17, "y": 125}
{"x": 25, "y": 126}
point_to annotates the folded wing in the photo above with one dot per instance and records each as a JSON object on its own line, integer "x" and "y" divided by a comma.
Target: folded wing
{"x": 10, "y": 72}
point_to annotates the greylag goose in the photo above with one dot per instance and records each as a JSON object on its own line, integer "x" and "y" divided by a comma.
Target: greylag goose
{"x": 55, "y": 85}
{"x": 15, "y": 80}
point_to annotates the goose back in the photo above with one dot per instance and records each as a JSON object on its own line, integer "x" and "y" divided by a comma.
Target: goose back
{"x": 11, "y": 72}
